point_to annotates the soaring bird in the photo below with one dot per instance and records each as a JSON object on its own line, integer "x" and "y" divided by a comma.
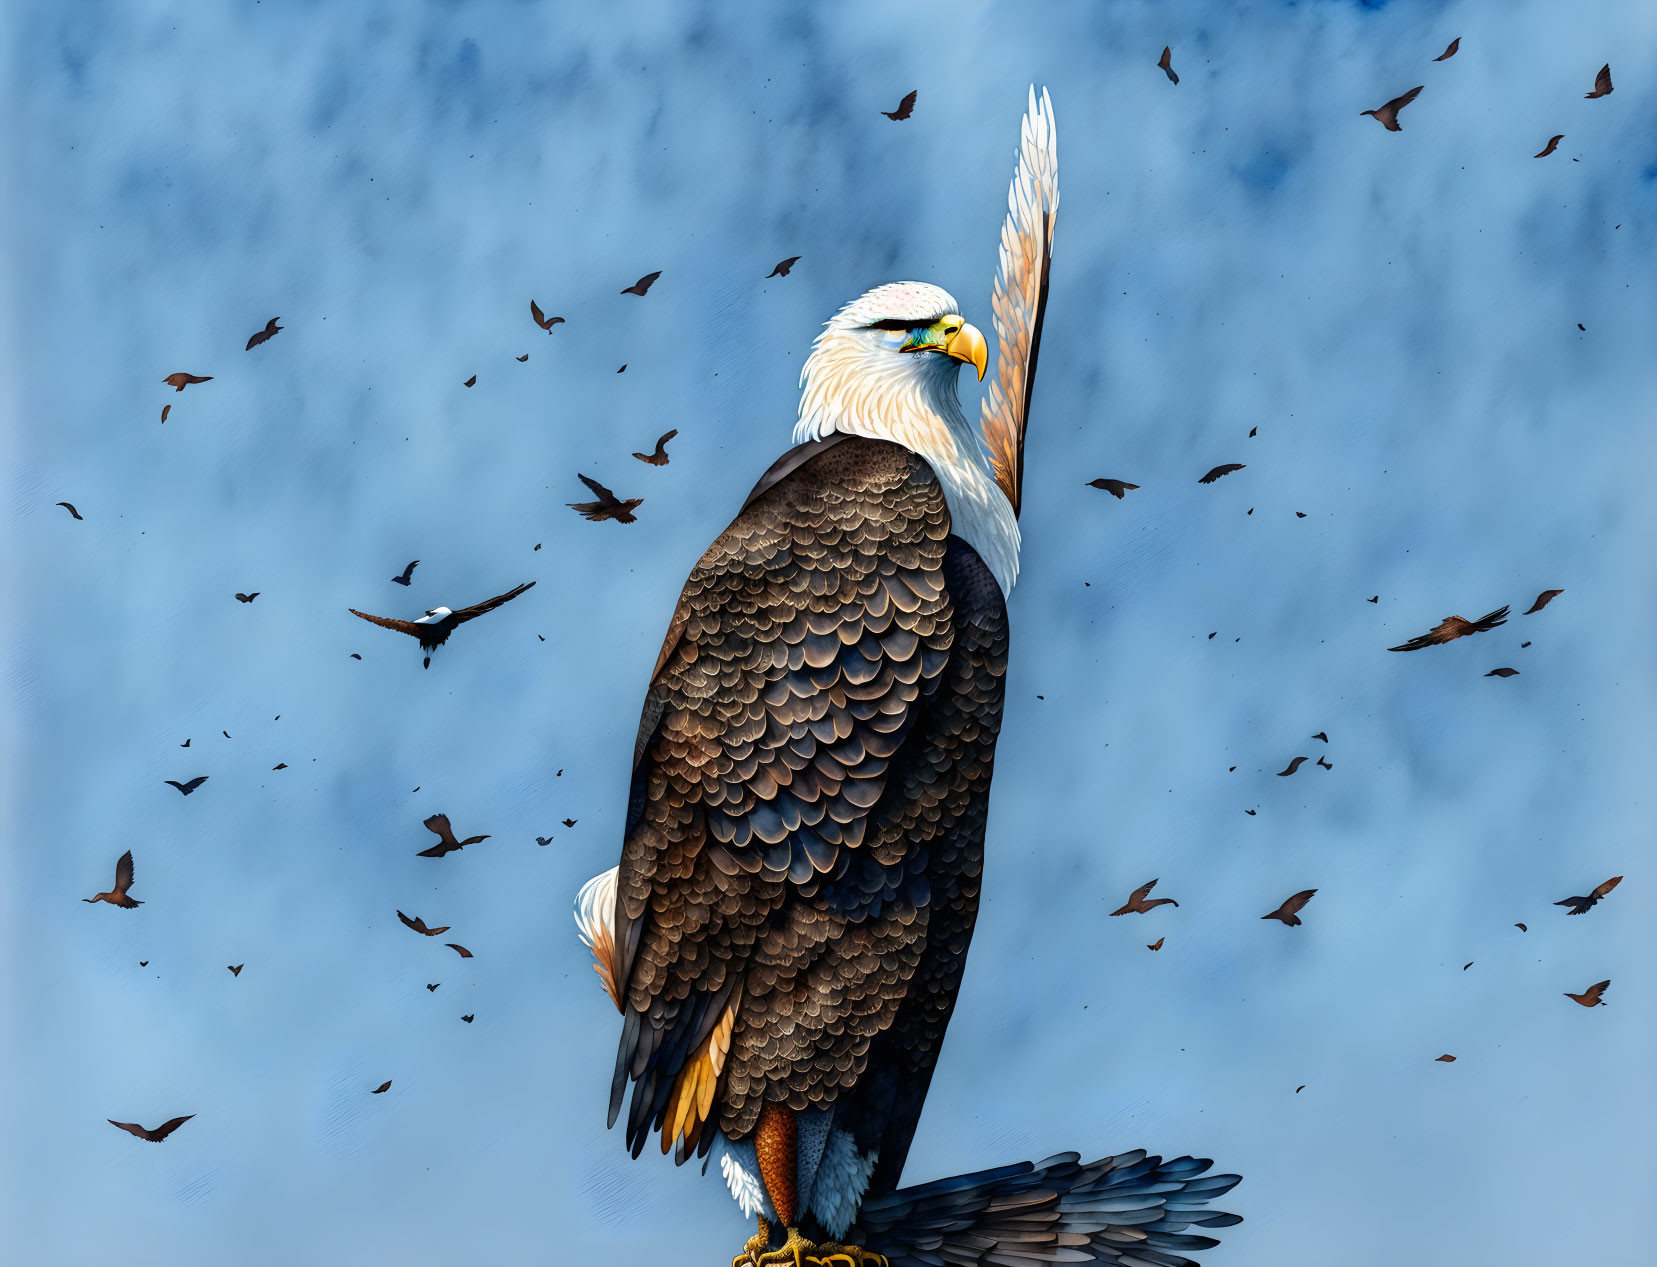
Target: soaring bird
{"x": 659, "y": 456}
{"x": 1387, "y": 115}
{"x": 1591, "y": 996}
{"x": 1449, "y": 52}
{"x": 153, "y": 1136}
{"x": 262, "y": 336}
{"x": 1578, "y": 905}
{"x": 186, "y": 788}
{"x": 1137, "y": 905}
{"x": 1602, "y": 82}
{"x": 608, "y": 505}
{"x": 642, "y": 285}
{"x": 70, "y": 509}
{"x": 407, "y": 578}
{"x": 1551, "y": 146}
{"x": 247, "y": 598}
{"x": 783, "y": 267}
{"x": 1542, "y": 600}
{"x": 787, "y": 929}
{"x": 906, "y": 107}
{"x": 1289, "y": 911}
{"x": 123, "y": 881}
{"x": 433, "y": 629}
{"x": 541, "y": 319}
{"x": 438, "y": 824}
{"x": 1453, "y": 627}
{"x": 181, "y": 380}
{"x": 1166, "y": 65}
{"x": 1225, "y": 468}
{"x": 419, "y": 926}
{"x": 1116, "y": 488}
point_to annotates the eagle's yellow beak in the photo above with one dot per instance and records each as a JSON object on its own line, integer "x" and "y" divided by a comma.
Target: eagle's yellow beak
{"x": 967, "y": 344}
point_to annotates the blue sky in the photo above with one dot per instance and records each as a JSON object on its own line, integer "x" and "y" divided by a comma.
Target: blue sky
{"x": 1397, "y": 314}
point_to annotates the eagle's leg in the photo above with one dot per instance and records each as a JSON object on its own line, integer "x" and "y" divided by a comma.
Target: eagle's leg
{"x": 757, "y": 1244}
{"x": 777, "y": 1143}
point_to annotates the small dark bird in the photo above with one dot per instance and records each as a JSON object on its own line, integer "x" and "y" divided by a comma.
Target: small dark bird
{"x": 1503, "y": 672}
{"x": 438, "y": 824}
{"x": 541, "y": 319}
{"x": 1602, "y": 82}
{"x": 782, "y": 269}
{"x": 1453, "y": 627}
{"x": 165, "y": 410}
{"x": 1300, "y": 1088}
{"x": 235, "y": 969}
{"x": 1253, "y": 431}
{"x": 906, "y": 107}
{"x": 185, "y": 744}
{"x": 189, "y": 787}
{"x": 1251, "y": 812}
{"x": 659, "y": 457}
{"x": 1114, "y": 487}
{"x": 459, "y": 950}
{"x": 1157, "y": 944}
{"x": 1376, "y": 599}
{"x": 543, "y": 840}
{"x": 1137, "y": 905}
{"x": 142, "y": 963}
{"x": 1286, "y": 912}
{"x": 1582, "y": 327}
{"x": 419, "y": 925}
{"x": 623, "y": 368}
{"x": 1325, "y": 764}
{"x": 181, "y": 380}
{"x": 1550, "y": 147}
{"x": 1300, "y": 514}
{"x": 471, "y": 382}
{"x": 1591, "y": 996}
{"x": 608, "y": 505}
{"x": 225, "y": 733}
{"x": 1293, "y": 766}
{"x": 269, "y": 332}
{"x": 1450, "y": 52}
{"x": 123, "y": 881}
{"x": 1445, "y": 1059}
{"x": 1578, "y": 905}
{"x": 433, "y": 629}
{"x": 432, "y": 989}
{"x": 247, "y": 598}
{"x": 158, "y": 1134}
{"x": 1521, "y": 928}
{"x": 524, "y": 357}
{"x": 382, "y": 1088}
{"x": 1387, "y": 115}
{"x": 1468, "y": 964}
{"x": 355, "y": 656}
{"x": 468, "y": 1017}
{"x": 70, "y": 509}
{"x": 1225, "y": 468}
{"x": 1167, "y": 66}
{"x": 280, "y": 765}
{"x": 1322, "y": 736}
{"x": 1542, "y": 600}
{"x": 568, "y": 822}
{"x": 643, "y": 284}
{"x": 408, "y": 572}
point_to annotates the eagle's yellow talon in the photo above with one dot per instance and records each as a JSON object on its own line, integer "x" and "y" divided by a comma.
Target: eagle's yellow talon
{"x": 851, "y": 1256}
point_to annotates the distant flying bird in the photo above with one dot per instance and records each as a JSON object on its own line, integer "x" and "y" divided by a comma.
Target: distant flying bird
{"x": 524, "y": 357}
{"x": 158, "y": 1134}
{"x": 1450, "y": 52}
{"x": 355, "y": 656}
{"x": 1578, "y": 905}
{"x": 1446, "y": 1059}
{"x": 1542, "y": 600}
{"x": 1137, "y": 905}
{"x": 70, "y": 509}
{"x": 1387, "y": 115}
{"x": 433, "y": 629}
{"x": 382, "y": 1088}
{"x": 1114, "y": 487}
{"x": 247, "y": 598}
{"x": 1325, "y": 764}
{"x": 280, "y": 765}
{"x": 1253, "y": 431}
{"x": 1453, "y": 627}
{"x": 142, "y": 963}
{"x": 1591, "y": 996}
{"x": 165, "y": 410}
{"x": 419, "y": 926}
{"x": 123, "y": 881}
{"x": 1293, "y": 766}
{"x": 459, "y": 950}
{"x": 643, "y": 284}
{"x": 1550, "y": 147}
{"x": 438, "y": 824}
{"x": 1602, "y": 82}
{"x": 1503, "y": 672}
{"x": 1167, "y": 65}
{"x": 471, "y": 382}
{"x": 407, "y": 573}
{"x": 189, "y": 787}
{"x": 659, "y": 457}
{"x": 181, "y": 380}
{"x": 543, "y": 840}
{"x": 1521, "y": 928}
{"x": 432, "y": 989}
{"x": 782, "y": 269}
{"x": 235, "y": 970}
{"x": 1300, "y": 1088}
{"x": 906, "y": 107}
{"x": 269, "y": 332}
{"x": 1287, "y": 912}
{"x": 1376, "y": 599}
{"x": 1225, "y": 468}
{"x": 569, "y": 822}
{"x": 608, "y": 505}
{"x": 1157, "y": 944}
{"x": 185, "y": 744}
{"x": 468, "y": 1017}
{"x": 623, "y": 368}
{"x": 541, "y": 319}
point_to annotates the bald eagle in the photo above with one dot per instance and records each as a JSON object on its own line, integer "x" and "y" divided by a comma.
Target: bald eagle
{"x": 787, "y": 929}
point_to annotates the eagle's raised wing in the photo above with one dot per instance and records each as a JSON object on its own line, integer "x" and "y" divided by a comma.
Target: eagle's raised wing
{"x": 489, "y": 604}
{"x": 1020, "y": 297}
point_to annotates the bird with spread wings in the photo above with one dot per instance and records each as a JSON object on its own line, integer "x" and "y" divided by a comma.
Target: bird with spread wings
{"x": 786, "y": 932}
{"x": 433, "y": 629}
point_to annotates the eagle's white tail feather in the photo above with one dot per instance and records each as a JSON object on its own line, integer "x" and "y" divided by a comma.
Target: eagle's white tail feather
{"x": 595, "y": 920}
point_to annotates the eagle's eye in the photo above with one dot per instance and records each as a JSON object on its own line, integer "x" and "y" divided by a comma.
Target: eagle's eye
{"x": 898, "y": 325}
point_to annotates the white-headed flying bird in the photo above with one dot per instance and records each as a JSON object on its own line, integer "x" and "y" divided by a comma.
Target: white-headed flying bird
{"x": 433, "y": 629}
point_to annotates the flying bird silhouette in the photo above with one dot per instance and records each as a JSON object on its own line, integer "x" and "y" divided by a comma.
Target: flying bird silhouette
{"x": 1325, "y": 764}
{"x": 280, "y": 765}
{"x": 438, "y": 824}
{"x": 123, "y": 881}
{"x": 1225, "y": 468}
{"x": 1591, "y": 996}
{"x": 782, "y": 269}
{"x": 541, "y": 319}
{"x": 1521, "y": 928}
{"x": 263, "y": 336}
{"x": 408, "y": 573}
{"x": 1157, "y": 944}
{"x": 471, "y": 382}
{"x": 608, "y": 505}
{"x": 1602, "y": 82}
{"x": 433, "y": 629}
{"x": 1578, "y": 905}
{"x": 187, "y": 788}
{"x": 419, "y": 926}
{"x": 1550, "y": 147}
{"x": 659, "y": 457}
{"x": 1376, "y": 599}
{"x": 70, "y": 509}
{"x": 1114, "y": 487}
{"x": 1453, "y": 627}
{"x": 1446, "y": 1059}
{"x": 643, "y": 284}
{"x": 158, "y": 1134}
{"x": 906, "y": 107}
{"x": 1503, "y": 672}
{"x": 1293, "y": 766}
{"x": 543, "y": 840}
{"x": 248, "y": 598}
{"x": 1542, "y": 600}
{"x": 1450, "y": 52}
{"x": 569, "y": 822}
{"x": 524, "y": 357}
{"x": 432, "y": 989}
{"x": 181, "y": 380}
{"x": 235, "y": 970}
{"x": 459, "y": 950}
{"x": 1137, "y": 905}
{"x": 468, "y": 1017}
{"x": 1321, "y": 735}
{"x": 1288, "y": 911}
{"x": 1387, "y": 115}
{"x": 165, "y": 410}
{"x": 382, "y": 1088}
{"x": 1167, "y": 65}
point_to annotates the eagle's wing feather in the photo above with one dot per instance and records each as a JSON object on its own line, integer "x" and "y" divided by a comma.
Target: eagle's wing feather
{"x": 489, "y": 604}
{"x": 388, "y": 622}
{"x": 1019, "y": 301}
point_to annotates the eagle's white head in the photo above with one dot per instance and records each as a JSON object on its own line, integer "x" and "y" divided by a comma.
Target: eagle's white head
{"x": 885, "y": 367}
{"x": 434, "y": 615}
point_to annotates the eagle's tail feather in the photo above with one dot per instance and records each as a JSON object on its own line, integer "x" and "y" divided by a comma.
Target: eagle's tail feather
{"x": 595, "y": 908}
{"x": 1132, "y": 1210}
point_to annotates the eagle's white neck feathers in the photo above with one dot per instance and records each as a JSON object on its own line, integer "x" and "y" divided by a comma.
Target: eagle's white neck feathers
{"x": 856, "y": 382}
